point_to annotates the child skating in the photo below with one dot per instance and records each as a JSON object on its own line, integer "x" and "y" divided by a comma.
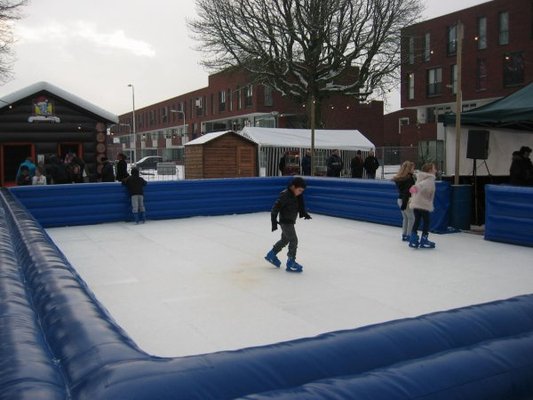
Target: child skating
{"x": 289, "y": 205}
{"x": 135, "y": 185}
{"x": 423, "y": 193}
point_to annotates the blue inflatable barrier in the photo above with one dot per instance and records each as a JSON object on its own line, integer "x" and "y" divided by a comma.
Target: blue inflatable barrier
{"x": 365, "y": 200}
{"x": 79, "y": 352}
{"x": 509, "y": 214}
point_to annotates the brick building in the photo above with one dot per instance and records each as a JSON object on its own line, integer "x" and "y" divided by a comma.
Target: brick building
{"x": 231, "y": 102}
{"x": 497, "y": 60}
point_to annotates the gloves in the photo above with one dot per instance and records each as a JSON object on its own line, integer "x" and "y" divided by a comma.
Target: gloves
{"x": 413, "y": 190}
{"x": 274, "y": 225}
{"x": 306, "y": 216}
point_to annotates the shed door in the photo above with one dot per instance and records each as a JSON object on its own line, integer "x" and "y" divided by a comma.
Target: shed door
{"x": 245, "y": 161}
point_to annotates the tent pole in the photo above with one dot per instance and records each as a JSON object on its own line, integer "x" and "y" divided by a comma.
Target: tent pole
{"x": 313, "y": 122}
{"x": 459, "y": 100}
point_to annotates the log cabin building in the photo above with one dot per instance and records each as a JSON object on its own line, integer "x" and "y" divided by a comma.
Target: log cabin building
{"x": 43, "y": 120}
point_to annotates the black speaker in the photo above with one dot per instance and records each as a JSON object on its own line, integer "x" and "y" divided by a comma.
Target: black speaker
{"x": 478, "y": 145}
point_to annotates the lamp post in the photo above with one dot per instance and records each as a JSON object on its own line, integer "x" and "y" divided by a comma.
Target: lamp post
{"x": 180, "y": 112}
{"x": 459, "y": 102}
{"x": 134, "y": 156}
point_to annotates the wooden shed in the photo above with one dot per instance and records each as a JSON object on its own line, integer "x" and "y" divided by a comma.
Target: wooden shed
{"x": 220, "y": 155}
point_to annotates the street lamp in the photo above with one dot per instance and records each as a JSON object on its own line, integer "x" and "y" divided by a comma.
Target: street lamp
{"x": 181, "y": 112}
{"x": 134, "y": 158}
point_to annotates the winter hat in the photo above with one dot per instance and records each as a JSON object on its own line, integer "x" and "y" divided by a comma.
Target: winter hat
{"x": 525, "y": 149}
{"x": 298, "y": 182}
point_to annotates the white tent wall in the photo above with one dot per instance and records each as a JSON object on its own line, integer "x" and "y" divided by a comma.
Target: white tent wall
{"x": 502, "y": 143}
{"x": 273, "y": 143}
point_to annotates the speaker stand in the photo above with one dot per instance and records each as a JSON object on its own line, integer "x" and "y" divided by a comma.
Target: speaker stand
{"x": 474, "y": 173}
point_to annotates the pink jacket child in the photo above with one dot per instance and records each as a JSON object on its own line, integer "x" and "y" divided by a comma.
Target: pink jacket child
{"x": 422, "y": 196}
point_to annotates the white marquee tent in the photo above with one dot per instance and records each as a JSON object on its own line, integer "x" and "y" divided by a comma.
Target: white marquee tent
{"x": 274, "y": 142}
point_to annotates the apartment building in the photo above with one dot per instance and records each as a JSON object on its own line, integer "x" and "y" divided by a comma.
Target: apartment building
{"x": 231, "y": 102}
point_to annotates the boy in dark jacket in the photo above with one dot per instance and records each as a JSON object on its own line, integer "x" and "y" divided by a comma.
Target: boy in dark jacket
{"x": 289, "y": 205}
{"x": 135, "y": 185}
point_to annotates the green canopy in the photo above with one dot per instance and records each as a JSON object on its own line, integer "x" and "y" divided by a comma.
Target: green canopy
{"x": 512, "y": 112}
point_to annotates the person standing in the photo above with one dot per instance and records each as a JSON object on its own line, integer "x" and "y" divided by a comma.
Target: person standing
{"x": 107, "y": 174}
{"x": 404, "y": 179}
{"x": 135, "y": 185}
{"x": 423, "y": 193}
{"x": 521, "y": 171}
{"x": 122, "y": 167}
{"x": 334, "y": 164}
{"x": 24, "y": 178}
{"x": 39, "y": 178}
{"x": 306, "y": 163}
{"x": 289, "y": 205}
{"x": 28, "y": 162}
{"x": 371, "y": 165}
{"x": 356, "y": 165}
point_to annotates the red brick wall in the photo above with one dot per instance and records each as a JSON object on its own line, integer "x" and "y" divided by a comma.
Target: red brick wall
{"x": 520, "y": 40}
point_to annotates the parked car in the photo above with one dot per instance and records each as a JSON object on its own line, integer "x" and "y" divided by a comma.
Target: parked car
{"x": 149, "y": 162}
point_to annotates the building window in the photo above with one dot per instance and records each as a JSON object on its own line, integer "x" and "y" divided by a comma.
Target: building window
{"x": 230, "y": 99}
{"x": 239, "y": 98}
{"x": 503, "y": 18}
{"x": 452, "y": 40}
{"x": 427, "y": 47}
{"x": 513, "y": 69}
{"x": 434, "y": 82}
{"x": 411, "y": 50}
{"x": 482, "y": 33}
{"x": 481, "y": 81}
{"x": 222, "y": 100}
{"x": 249, "y": 96}
{"x": 411, "y": 86}
{"x": 453, "y": 78}
{"x": 402, "y": 122}
{"x": 269, "y": 101}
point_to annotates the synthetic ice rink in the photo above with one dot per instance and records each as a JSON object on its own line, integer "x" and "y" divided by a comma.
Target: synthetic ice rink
{"x": 198, "y": 285}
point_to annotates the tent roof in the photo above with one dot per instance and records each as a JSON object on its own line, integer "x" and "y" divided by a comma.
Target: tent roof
{"x": 301, "y": 138}
{"x": 40, "y": 86}
{"x": 208, "y": 137}
{"x": 512, "y": 112}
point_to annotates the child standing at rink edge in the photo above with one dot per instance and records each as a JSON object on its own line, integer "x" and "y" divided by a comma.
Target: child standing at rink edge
{"x": 289, "y": 205}
{"x": 404, "y": 179}
{"x": 135, "y": 185}
{"x": 423, "y": 193}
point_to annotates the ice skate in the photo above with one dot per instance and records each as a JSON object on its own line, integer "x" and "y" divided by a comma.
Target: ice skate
{"x": 273, "y": 259}
{"x": 425, "y": 243}
{"x": 293, "y": 266}
{"x": 143, "y": 218}
{"x": 405, "y": 238}
{"x": 136, "y": 217}
{"x": 413, "y": 241}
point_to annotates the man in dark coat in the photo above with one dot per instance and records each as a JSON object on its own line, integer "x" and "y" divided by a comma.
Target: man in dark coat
{"x": 306, "y": 163}
{"x": 521, "y": 171}
{"x": 334, "y": 164}
{"x": 371, "y": 165}
{"x": 356, "y": 165}
{"x": 107, "y": 174}
{"x": 122, "y": 167}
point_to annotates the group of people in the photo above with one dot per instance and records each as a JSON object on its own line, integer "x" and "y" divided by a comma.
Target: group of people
{"x": 369, "y": 165}
{"x": 415, "y": 200}
{"x": 54, "y": 170}
{"x": 334, "y": 165}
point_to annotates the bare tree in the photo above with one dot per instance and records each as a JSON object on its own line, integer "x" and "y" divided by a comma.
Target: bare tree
{"x": 307, "y": 49}
{"x": 9, "y": 11}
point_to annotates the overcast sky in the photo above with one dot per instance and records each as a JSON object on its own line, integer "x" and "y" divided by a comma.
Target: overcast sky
{"x": 94, "y": 49}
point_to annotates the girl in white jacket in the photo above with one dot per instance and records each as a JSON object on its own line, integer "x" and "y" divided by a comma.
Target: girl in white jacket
{"x": 422, "y": 195}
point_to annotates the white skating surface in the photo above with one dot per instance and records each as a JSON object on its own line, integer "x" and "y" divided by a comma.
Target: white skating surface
{"x": 198, "y": 285}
